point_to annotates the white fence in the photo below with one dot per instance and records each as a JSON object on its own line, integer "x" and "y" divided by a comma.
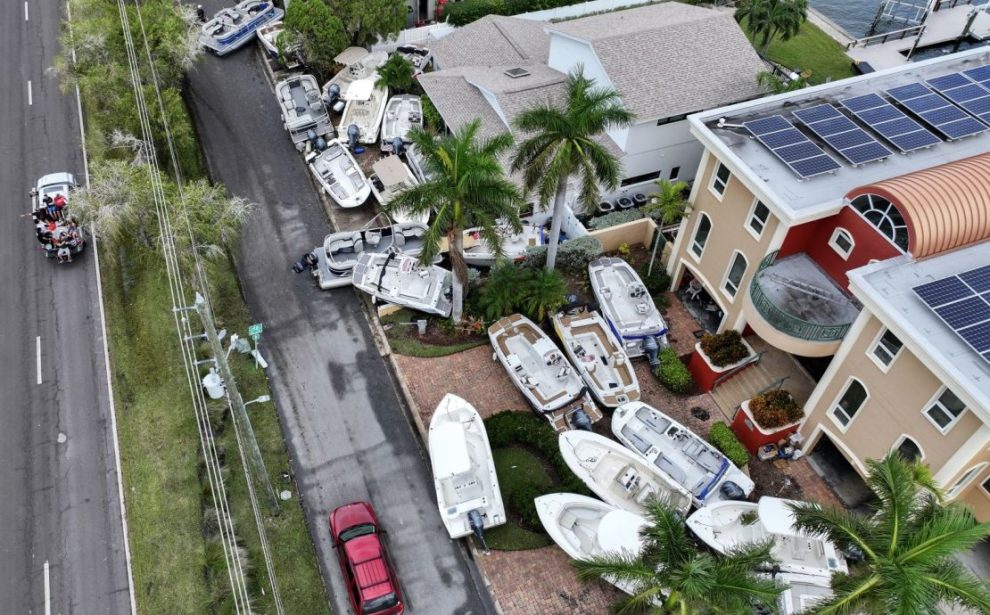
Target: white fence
{"x": 418, "y": 36}
{"x": 579, "y": 10}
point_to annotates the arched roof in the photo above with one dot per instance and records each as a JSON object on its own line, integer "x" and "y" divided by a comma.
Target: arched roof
{"x": 945, "y": 207}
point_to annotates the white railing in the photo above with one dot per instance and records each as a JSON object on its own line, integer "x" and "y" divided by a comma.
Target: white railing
{"x": 415, "y": 36}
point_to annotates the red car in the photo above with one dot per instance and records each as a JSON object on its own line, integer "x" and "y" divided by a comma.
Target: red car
{"x": 371, "y": 582}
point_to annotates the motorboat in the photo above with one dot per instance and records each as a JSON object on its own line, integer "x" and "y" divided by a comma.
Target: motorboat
{"x": 417, "y": 164}
{"x": 364, "y": 110}
{"x": 586, "y": 528}
{"x": 801, "y": 592}
{"x": 390, "y": 175}
{"x": 600, "y": 360}
{"x": 673, "y": 448}
{"x": 402, "y": 280}
{"x": 303, "y": 111}
{"x": 402, "y": 113}
{"x": 724, "y": 526}
{"x": 359, "y": 64}
{"x": 339, "y": 253}
{"x": 478, "y": 253}
{"x": 541, "y": 372}
{"x": 340, "y": 175}
{"x": 233, "y": 27}
{"x": 619, "y": 476}
{"x": 627, "y": 306}
{"x": 464, "y": 470}
{"x": 417, "y": 55}
{"x": 268, "y": 38}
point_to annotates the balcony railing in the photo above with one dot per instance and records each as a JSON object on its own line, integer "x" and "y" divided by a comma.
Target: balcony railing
{"x": 788, "y": 323}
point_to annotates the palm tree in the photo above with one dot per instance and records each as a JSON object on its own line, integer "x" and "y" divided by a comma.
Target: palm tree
{"x": 766, "y": 19}
{"x": 776, "y": 84}
{"x": 908, "y": 544}
{"x": 670, "y": 201}
{"x": 564, "y": 143}
{"x": 396, "y": 74}
{"x": 468, "y": 189}
{"x": 672, "y": 575}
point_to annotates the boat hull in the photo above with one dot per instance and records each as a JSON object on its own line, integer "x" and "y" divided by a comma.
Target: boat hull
{"x": 243, "y": 35}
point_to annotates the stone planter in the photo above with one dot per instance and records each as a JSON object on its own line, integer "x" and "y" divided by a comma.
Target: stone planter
{"x": 752, "y": 435}
{"x": 705, "y": 374}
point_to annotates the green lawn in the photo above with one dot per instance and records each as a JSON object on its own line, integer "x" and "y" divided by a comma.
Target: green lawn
{"x": 517, "y": 468}
{"x": 813, "y": 50}
{"x": 403, "y": 337}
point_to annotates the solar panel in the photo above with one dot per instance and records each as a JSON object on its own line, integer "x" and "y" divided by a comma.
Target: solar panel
{"x": 890, "y": 122}
{"x": 962, "y": 90}
{"x": 980, "y": 75}
{"x": 941, "y": 292}
{"x": 791, "y": 146}
{"x": 963, "y": 303}
{"x": 938, "y": 112}
{"x": 842, "y": 134}
{"x": 977, "y": 279}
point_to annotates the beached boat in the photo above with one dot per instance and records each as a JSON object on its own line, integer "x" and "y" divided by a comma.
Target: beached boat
{"x": 603, "y": 365}
{"x": 726, "y": 525}
{"x": 339, "y": 253}
{"x": 359, "y": 64}
{"x": 302, "y": 109}
{"x": 364, "y": 110}
{"x": 417, "y": 163}
{"x": 402, "y": 113}
{"x": 233, "y": 27}
{"x": 268, "y": 35}
{"x": 464, "y": 470}
{"x": 627, "y": 306}
{"x": 802, "y": 591}
{"x": 400, "y": 279}
{"x": 478, "y": 253}
{"x": 389, "y": 176}
{"x": 673, "y": 448}
{"x": 340, "y": 175}
{"x": 417, "y": 55}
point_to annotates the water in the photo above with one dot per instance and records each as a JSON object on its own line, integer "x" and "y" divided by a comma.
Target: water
{"x": 941, "y": 50}
{"x": 854, "y": 16}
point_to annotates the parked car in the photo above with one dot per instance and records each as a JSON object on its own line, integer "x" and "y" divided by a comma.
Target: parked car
{"x": 371, "y": 582}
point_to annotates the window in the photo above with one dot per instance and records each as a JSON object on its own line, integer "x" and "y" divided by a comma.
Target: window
{"x": 909, "y": 449}
{"x": 964, "y": 481}
{"x": 720, "y": 179}
{"x": 639, "y": 179}
{"x": 886, "y": 218}
{"x": 674, "y": 173}
{"x": 670, "y": 120}
{"x": 758, "y": 217}
{"x": 849, "y": 403}
{"x": 842, "y": 242}
{"x": 986, "y": 486}
{"x": 945, "y": 410}
{"x": 885, "y": 349}
{"x": 734, "y": 276}
{"x": 701, "y": 235}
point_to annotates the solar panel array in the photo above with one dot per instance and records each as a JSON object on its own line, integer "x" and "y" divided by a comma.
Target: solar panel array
{"x": 963, "y": 303}
{"x": 939, "y": 113}
{"x": 962, "y": 90}
{"x": 842, "y": 134}
{"x": 890, "y": 122}
{"x": 791, "y": 146}
{"x": 979, "y": 75}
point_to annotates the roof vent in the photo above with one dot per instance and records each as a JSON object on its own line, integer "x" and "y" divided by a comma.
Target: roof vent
{"x": 516, "y": 73}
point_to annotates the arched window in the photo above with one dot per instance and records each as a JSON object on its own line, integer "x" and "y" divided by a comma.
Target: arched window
{"x": 852, "y": 399}
{"x": 701, "y": 233}
{"x": 886, "y": 218}
{"x": 734, "y": 274}
{"x": 964, "y": 480}
{"x": 842, "y": 242}
{"x": 909, "y": 449}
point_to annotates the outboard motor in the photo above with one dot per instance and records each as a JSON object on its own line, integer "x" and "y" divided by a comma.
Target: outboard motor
{"x": 398, "y": 146}
{"x": 579, "y": 419}
{"x": 332, "y": 95}
{"x": 308, "y": 261}
{"x": 353, "y": 132}
{"x": 731, "y": 491}
{"x": 478, "y": 527}
{"x": 651, "y": 349}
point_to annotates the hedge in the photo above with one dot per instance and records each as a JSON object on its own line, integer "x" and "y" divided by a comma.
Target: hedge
{"x": 573, "y": 255}
{"x": 672, "y": 372}
{"x": 463, "y": 13}
{"x": 726, "y": 441}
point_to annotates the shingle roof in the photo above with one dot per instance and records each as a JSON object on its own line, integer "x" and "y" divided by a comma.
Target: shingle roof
{"x": 493, "y": 40}
{"x": 459, "y": 102}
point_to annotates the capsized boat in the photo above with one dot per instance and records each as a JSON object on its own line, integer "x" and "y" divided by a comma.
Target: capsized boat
{"x": 364, "y": 110}
{"x": 268, "y": 39}
{"x": 233, "y": 27}
{"x": 541, "y": 372}
{"x": 339, "y": 253}
{"x": 302, "y": 109}
{"x": 464, "y": 470}
{"x": 402, "y": 113}
{"x": 400, "y": 279}
{"x": 340, "y": 175}
{"x": 600, "y": 359}
{"x": 627, "y": 306}
{"x": 726, "y": 525}
{"x": 619, "y": 476}
{"x": 389, "y": 176}
{"x": 673, "y": 448}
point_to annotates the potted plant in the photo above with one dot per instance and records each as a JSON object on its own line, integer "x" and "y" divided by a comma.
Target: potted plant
{"x": 767, "y": 418}
{"x": 716, "y": 355}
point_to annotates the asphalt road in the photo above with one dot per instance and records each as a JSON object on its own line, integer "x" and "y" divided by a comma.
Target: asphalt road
{"x": 344, "y": 422}
{"x": 58, "y": 479}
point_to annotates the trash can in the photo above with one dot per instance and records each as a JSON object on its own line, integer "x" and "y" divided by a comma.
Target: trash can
{"x": 213, "y": 384}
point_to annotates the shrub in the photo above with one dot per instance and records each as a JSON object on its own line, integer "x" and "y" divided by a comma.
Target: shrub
{"x": 775, "y": 409}
{"x": 724, "y": 348}
{"x": 522, "y": 501}
{"x": 463, "y": 13}
{"x": 543, "y": 292}
{"x": 431, "y": 117}
{"x": 672, "y": 372}
{"x": 510, "y": 428}
{"x": 534, "y": 292}
{"x": 658, "y": 281}
{"x": 726, "y": 441}
{"x": 573, "y": 255}
{"x": 615, "y": 218}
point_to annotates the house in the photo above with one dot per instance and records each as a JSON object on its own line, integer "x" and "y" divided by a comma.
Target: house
{"x": 666, "y": 61}
{"x": 851, "y": 222}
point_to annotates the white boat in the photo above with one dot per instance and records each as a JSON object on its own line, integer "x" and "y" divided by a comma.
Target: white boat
{"x": 268, "y": 39}
{"x": 233, "y": 27}
{"x": 586, "y": 528}
{"x": 364, "y": 110}
{"x": 359, "y": 64}
{"x": 540, "y": 371}
{"x": 417, "y": 164}
{"x": 478, "y": 253}
{"x": 389, "y": 176}
{"x": 417, "y": 55}
{"x": 603, "y": 365}
{"x": 802, "y": 591}
{"x": 619, "y": 476}
{"x": 726, "y": 525}
{"x": 340, "y": 175}
{"x": 339, "y": 253}
{"x": 627, "y": 305}
{"x": 402, "y": 113}
{"x": 673, "y": 448}
{"x": 400, "y": 279}
{"x": 464, "y": 470}
{"x": 302, "y": 109}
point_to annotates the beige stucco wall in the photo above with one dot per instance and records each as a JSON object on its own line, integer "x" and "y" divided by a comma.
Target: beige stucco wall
{"x": 974, "y": 496}
{"x": 729, "y": 217}
{"x": 637, "y": 232}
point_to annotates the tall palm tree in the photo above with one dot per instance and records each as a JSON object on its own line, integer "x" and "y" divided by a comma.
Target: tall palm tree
{"x": 669, "y": 201}
{"x": 468, "y": 189}
{"x": 908, "y": 544}
{"x": 671, "y": 576}
{"x": 563, "y": 143}
{"x": 767, "y": 19}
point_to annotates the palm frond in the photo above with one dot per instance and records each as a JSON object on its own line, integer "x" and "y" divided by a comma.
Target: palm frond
{"x": 953, "y": 531}
{"x": 847, "y": 602}
{"x": 956, "y": 585}
{"x": 841, "y": 527}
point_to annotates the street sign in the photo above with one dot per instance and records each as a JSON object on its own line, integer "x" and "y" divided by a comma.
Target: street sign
{"x": 255, "y": 330}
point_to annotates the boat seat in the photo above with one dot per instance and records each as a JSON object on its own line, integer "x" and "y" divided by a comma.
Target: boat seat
{"x": 568, "y": 519}
{"x": 373, "y": 238}
{"x": 399, "y": 240}
{"x": 642, "y": 308}
{"x": 563, "y": 372}
{"x": 704, "y": 480}
{"x": 668, "y": 466}
{"x": 638, "y": 443}
{"x": 358, "y": 246}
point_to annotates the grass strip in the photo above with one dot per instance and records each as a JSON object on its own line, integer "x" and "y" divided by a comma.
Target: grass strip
{"x": 813, "y": 50}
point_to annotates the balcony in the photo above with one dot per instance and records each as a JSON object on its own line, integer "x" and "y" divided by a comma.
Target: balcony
{"x": 793, "y": 304}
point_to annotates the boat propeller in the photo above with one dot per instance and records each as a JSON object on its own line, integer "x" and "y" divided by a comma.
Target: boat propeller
{"x": 478, "y": 527}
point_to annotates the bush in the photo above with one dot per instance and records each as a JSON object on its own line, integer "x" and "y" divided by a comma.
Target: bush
{"x": 775, "y": 409}
{"x": 463, "y": 13}
{"x": 534, "y": 292}
{"x": 658, "y": 281}
{"x": 431, "y": 117}
{"x": 522, "y": 501}
{"x": 726, "y": 441}
{"x": 510, "y": 428}
{"x": 573, "y": 255}
{"x": 615, "y": 218}
{"x": 724, "y": 348}
{"x": 672, "y": 372}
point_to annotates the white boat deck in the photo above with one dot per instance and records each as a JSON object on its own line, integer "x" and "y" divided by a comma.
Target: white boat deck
{"x": 364, "y": 67}
{"x": 340, "y": 175}
{"x": 365, "y": 112}
{"x": 540, "y": 365}
{"x": 624, "y": 299}
{"x": 402, "y": 114}
{"x": 601, "y": 361}
{"x": 401, "y": 280}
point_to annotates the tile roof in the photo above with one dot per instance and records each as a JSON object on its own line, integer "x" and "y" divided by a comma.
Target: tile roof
{"x": 493, "y": 40}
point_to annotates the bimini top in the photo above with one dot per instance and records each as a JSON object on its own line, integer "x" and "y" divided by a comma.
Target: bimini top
{"x": 943, "y": 208}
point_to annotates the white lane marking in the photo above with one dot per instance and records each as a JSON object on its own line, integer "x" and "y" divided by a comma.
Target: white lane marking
{"x": 25, "y": 10}
{"x": 30, "y": 95}
{"x": 48, "y": 591}
{"x": 37, "y": 347}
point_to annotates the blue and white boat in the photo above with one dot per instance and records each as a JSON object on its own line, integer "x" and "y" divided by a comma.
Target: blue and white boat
{"x": 627, "y": 306}
{"x": 232, "y": 28}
